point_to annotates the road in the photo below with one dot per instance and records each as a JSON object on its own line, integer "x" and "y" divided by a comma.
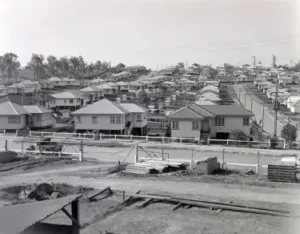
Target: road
{"x": 127, "y": 154}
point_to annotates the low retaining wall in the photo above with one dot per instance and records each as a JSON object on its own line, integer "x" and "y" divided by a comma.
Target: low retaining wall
{"x": 280, "y": 173}
{"x": 207, "y": 166}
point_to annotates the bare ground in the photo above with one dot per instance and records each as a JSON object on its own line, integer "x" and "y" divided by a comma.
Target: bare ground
{"x": 108, "y": 215}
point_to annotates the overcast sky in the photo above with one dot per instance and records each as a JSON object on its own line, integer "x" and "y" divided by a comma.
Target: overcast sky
{"x": 154, "y": 33}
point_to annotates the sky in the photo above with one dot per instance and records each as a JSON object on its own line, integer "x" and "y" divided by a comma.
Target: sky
{"x": 154, "y": 33}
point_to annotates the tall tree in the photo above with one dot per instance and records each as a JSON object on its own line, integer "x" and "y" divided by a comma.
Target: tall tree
{"x": 10, "y": 64}
{"x": 77, "y": 66}
{"x": 98, "y": 65}
{"x": 52, "y": 65}
{"x": 2, "y": 67}
{"x": 37, "y": 64}
{"x": 64, "y": 66}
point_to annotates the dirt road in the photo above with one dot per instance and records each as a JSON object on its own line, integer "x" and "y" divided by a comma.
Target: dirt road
{"x": 153, "y": 184}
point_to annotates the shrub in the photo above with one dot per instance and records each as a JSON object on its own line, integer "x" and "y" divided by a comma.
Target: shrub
{"x": 238, "y": 135}
{"x": 289, "y": 133}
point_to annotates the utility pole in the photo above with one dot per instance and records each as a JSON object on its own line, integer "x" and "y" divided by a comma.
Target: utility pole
{"x": 276, "y": 109}
{"x": 254, "y": 61}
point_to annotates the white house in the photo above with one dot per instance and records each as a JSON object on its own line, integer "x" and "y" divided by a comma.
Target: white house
{"x": 40, "y": 117}
{"x": 109, "y": 117}
{"x": 134, "y": 86}
{"x": 285, "y": 80}
{"x": 122, "y": 86}
{"x": 46, "y": 84}
{"x": 68, "y": 101}
{"x": 92, "y": 93}
{"x": 3, "y": 90}
{"x": 70, "y": 82}
{"x": 32, "y": 85}
{"x": 98, "y": 81}
{"x": 292, "y": 98}
{"x": 216, "y": 121}
{"x": 57, "y": 82}
{"x": 295, "y": 107}
{"x": 12, "y": 116}
{"x": 107, "y": 89}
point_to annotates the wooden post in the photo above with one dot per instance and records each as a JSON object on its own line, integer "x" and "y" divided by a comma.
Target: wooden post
{"x": 130, "y": 137}
{"x": 270, "y": 144}
{"x": 162, "y": 154}
{"x": 136, "y": 155}
{"x": 199, "y": 141}
{"x": 81, "y": 151}
{"x": 227, "y": 141}
{"x": 163, "y": 139}
{"x": 5, "y": 146}
{"x": 257, "y": 163}
{"x": 208, "y": 141}
{"x": 75, "y": 215}
{"x": 147, "y": 138}
{"x": 59, "y": 154}
{"x": 284, "y": 144}
{"x": 223, "y": 158}
{"x": 180, "y": 140}
{"x": 115, "y": 136}
{"x": 40, "y": 151}
{"x": 79, "y": 135}
{"x": 123, "y": 195}
{"x": 192, "y": 160}
{"x": 22, "y": 147}
{"x": 100, "y": 136}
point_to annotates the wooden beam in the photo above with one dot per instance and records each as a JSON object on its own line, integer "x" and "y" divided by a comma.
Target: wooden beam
{"x": 97, "y": 193}
{"x": 146, "y": 203}
{"x": 129, "y": 198}
{"x": 75, "y": 216}
{"x": 218, "y": 211}
{"x": 177, "y": 206}
{"x": 70, "y": 217}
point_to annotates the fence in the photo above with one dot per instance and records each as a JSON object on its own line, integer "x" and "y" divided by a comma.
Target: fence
{"x": 2, "y": 132}
{"x": 153, "y": 139}
{"x": 258, "y": 163}
{"x": 21, "y": 147}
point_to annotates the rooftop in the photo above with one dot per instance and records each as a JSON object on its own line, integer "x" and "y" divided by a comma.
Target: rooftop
{"x": 103, "y": 106}
{"x": 68, "y": 94}
{"x": 133, "y": 108}
{"x": 36, "y": 110}
{"x": 10, "y": 108}
{"x": 227, "y": 110}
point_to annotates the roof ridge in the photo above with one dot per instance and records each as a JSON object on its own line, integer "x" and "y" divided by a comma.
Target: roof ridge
{"x": 13, "y": 107}
{"x": 203, "y": 108}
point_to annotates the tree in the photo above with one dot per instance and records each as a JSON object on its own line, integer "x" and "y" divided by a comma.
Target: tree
{"x": 77, "y": 66}
{"x": 9, "y": 64}
{"x": 289, "y": 133}
{"x": 97, "y": 65}
{"x": 37, "y": 64}
{"x": 64, "y": 66}
{"x": 52, "y": 65}
{"x": 274, "y": 59}
{"x": 228, "y": 68}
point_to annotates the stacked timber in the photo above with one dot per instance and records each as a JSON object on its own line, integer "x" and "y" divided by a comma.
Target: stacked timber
{"x": 282, "y": 173}
{"x": 154, "y": 166}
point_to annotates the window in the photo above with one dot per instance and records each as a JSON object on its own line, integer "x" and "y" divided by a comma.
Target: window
{"x": 138, "y": 118}
{"x": 71, "y": 100}
{"x": 246, "y": 121}
{"x": 195, "y": 126}
{"x": 79, "y": 119}
{"x": 219, "y": 122}
{"x": 14, "y": 119}
{"x": 118, "y": 119}
{"x": 112, "y": 119}
{"x": 94, "y": 119}
{"x": 175, "y": 125}
{"x": 65, "y": 101}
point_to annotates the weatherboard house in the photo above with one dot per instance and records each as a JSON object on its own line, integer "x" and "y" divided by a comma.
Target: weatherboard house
{"x": 215, "y": 121}
{"x": 111, "y": 118}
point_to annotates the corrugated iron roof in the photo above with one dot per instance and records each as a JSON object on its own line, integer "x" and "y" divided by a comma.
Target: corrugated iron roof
{"x": 10, "y": 108}
{"x": 17, "y": 218}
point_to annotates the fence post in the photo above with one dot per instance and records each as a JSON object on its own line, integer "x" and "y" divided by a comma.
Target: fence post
{"x": 4, "y": 132}
{"x": 192, "y": 160}
{"x": 257, "y": 163}
{"x": 227, "y": 141}
{"x": 162, "y": 154}
{"x": 17, "y": 133}
{"x": 22, "y": 146}
{"x": 163, "y": 139}
{"x": 5, "y": 146}
{"x": 147, "y": 138}
{"x": 180, "y": 140}
{"x": 100, "y": 136}
{"x": 59, "y": 154}
{"x": 30, "y": 133}
{"x": 115, "y": 136}
{"x": 269, "y": 144}
{"x": 81, "y": 151}
{"x": 208, "y": 141}
{"x": 198, "y": 140}
{"x": 40, "y": 151}
{"x": 79, "y": 135}
{"x": 136, "y": 155}
{"x": 42, "y": 134}
{"x": 130, "y": 137}
{"x": 284, "y": 144}
{"x": 94, "y": 136}
{"x": 223, "y": 158}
